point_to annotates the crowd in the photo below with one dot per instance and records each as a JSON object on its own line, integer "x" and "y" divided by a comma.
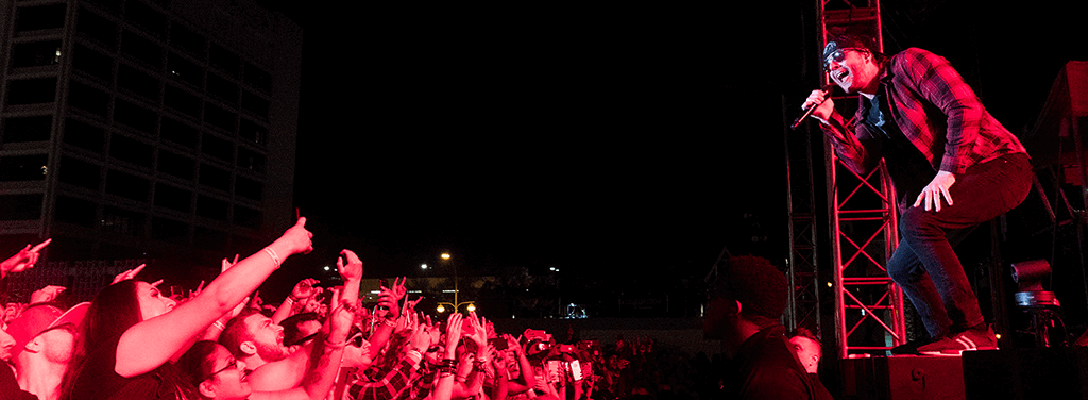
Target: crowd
{"x": 219, "y": 341}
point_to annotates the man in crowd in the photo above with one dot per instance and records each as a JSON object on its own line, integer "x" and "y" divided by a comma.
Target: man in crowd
{"x": 953, "y": 165}
{"x": 746, "y": 302}
{"x": 44, "y": 337}
{"x": 807, "y": 347}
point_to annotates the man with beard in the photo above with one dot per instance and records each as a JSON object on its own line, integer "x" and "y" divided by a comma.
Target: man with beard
{"x": 953, "y": 164}
{"x": 257, "y": 341}
{"x": 44, "y": 337}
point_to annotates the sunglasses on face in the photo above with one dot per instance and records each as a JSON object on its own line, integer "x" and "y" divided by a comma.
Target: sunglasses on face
{"x": 838, "y": 56}
{"x": 232, "y": 364}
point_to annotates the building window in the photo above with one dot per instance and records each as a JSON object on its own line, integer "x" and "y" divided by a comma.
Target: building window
{"x": 135, "y": 116}
{"x": 225, "y": 60}
{"x": 75, "y": 211}
{"x": 32, "y": 167}
{"x": 35, "y": 54}
{"x": 218, "y": 147}
{"x": 178, "y": 132}
{"x": 181, "y": 69}
{"x": 83, "y": 135}
{"x": 220, "y": 118}
{"x": 142, "y": 49}
{"x": 36, "y": 18}
{"x": 122, "y": 221}
{"x": 251, "y": 160}
{"x": 248, "y": 188}
{"x": 182, "y": 101}
{"x": 93, "y": 63}
{"x": 127, "y": 185}
{"x": 213, "y": 208}
{"x": 183, "y": 39}
{"x": 209, "y": 239}
{"x": 176, "y": 165}
{"x": 247, "y": 217}
{"x": 222, "y": 89}
{"x": 27, "y": 129}
{"x": 88, "y": 98}
{"x": 139, "y": 83}
{"x": 131, "y": 150}
{"x": 258, "y": 78}
{"x": 215, "y": 178}
{"x": 255, "y": 104}
{"x": 97, "y": 28}
{"x": 170, "y": 230}
{"x": 20, "y": 207}
{"x": 252, "y": 132}
{"x": 32, "y": 91}
{"x": 146, "y": 18}
{"x": 173, "y": 198}
{"x": 80, "y": 173}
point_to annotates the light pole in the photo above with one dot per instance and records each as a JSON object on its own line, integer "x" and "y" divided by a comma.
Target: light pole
{"x": 456, "y": 291}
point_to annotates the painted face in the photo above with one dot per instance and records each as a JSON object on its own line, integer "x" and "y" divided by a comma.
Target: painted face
{"x": 808, "y": 352}
{"x": 267, "y": 337}
{"x": 152, "y": 303}
{"x": 228, "y": 378}
{"x": 847, "y": 68}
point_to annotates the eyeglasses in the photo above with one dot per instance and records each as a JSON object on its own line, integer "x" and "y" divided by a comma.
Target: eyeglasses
{"x": 232, "y": 364}
{"x": 838, "y": 56}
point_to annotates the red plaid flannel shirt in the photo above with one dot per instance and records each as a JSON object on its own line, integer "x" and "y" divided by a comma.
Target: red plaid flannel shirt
{"x": 935, "y": 109}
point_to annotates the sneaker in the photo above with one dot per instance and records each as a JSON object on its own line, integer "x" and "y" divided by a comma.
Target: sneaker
{"x": 964, "y": 341}
{"x": 910, "y": 347}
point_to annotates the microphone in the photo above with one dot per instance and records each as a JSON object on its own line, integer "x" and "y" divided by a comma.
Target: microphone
{"x": 805, "y": 114}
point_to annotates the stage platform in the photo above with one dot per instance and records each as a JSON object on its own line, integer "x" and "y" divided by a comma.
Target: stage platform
{"x": 1050, "y": 374}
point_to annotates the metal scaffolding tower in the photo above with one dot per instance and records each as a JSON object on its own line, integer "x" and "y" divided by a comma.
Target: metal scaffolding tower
{"x": 868, "y": 306}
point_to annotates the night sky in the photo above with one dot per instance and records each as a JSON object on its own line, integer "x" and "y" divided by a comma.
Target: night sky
{"x": 596, "y": 139}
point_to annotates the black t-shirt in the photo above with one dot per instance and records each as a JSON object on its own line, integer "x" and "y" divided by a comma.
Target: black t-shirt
{"x": 907, "y": 166}
{"x": 9, "y": 387}
{"x": 766, "y": 368}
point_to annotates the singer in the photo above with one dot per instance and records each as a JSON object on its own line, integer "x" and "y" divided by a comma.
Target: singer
{"x": 953, "y": 165}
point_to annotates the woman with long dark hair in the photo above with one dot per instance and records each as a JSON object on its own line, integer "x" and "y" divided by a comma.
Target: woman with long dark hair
{"x": 131, "y": 333}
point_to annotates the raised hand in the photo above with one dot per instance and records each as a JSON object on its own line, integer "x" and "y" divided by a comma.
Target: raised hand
{"x": 453, "y": 334}
{"x": 128, "y": 274}
{"x": 388, "y": 299}
{"x": 296, "y": 239}
{"x": 25, "y": 258}
{"x": 399, "y": 290}
{"x": 46, "y": 294}
{"x": 303, "y": 289}
{"x": 350, "y": 267}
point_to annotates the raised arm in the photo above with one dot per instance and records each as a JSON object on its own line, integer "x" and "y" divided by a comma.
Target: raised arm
{"x": 25, "y": 258}
{"x": 151, "y": 342}
{"x": 302, "y": 290}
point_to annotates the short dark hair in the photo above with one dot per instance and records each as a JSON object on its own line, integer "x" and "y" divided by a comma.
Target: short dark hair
{"x": 804, "y": 332}
{"x": 292, "y": 335}
{"x": 235, "y": 332}
{"x": 759, "y": 286}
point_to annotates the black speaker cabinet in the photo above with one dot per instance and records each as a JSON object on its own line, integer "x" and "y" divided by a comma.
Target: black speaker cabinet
{"x": 905, "y": 377}
{"x": 1043, "y": 373}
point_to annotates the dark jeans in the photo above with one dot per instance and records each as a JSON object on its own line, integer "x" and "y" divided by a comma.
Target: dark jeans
{"x": 925, "y": 265}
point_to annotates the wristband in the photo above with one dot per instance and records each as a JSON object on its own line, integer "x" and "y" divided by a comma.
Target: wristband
{"x": 390, "y": 323}
{"x": 275, "y": 257}
{"x": 218, "y": 325}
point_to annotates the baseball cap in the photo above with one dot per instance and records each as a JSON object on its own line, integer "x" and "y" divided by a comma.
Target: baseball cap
{"x": 42, "y": 317}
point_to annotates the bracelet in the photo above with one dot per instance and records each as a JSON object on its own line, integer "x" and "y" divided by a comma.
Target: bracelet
{"x": 447, "y": 366}
{"x": 291, "y": 299}
{"x": 272, "y": 253}
{"x": 218, "y": 325}
{"x": 390, "y": 323}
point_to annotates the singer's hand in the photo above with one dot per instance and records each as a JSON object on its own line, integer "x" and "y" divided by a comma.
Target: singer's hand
{"x": 823, "y": 110}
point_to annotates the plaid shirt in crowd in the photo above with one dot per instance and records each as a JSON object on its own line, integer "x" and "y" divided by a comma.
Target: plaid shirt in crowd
{"x": 935, "y": 109}
{"x": 388, "y": 387}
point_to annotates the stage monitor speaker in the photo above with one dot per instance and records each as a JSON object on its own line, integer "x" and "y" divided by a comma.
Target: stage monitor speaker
{"x": 1021, "y": 374}
{"x": 904, "y": 377}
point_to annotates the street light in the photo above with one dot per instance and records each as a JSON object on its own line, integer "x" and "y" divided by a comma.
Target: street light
{"x": 442, "y": 306}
